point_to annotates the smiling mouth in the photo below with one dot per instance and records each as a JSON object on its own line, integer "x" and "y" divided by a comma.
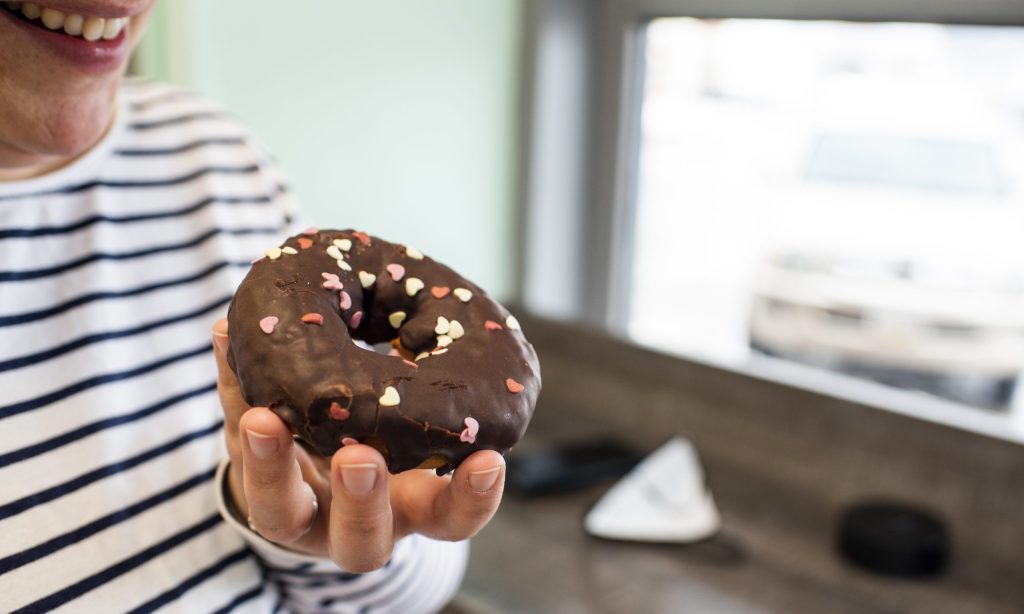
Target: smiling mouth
{"x": 79, "y": 26}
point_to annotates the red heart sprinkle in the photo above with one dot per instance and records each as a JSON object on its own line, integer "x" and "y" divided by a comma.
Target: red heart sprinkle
{"x": 491, "y": 325}
{"x": 305, "y": 243}
{"x": 440, "y": 291}
{"x": 338, "y": 412}
{"x": 362, "y": 237}
{"x": 513, "y": 386}
{"x": 313, "y": 318}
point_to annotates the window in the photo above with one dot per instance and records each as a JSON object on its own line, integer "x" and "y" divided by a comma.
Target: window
{"x": 821, "y": 192}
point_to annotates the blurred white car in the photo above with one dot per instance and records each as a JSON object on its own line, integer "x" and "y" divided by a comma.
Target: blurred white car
{"x": 901, "y": 272}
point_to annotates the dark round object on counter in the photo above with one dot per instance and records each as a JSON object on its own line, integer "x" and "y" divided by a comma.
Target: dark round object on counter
{"x": 459, "y": 377}
{"x": 894, "y": 539}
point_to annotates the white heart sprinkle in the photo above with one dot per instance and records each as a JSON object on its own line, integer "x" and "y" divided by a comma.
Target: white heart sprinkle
{"x": 390, "y": 397}
{"x": 396, "y": 319}
{"x": 334, "y": 252}
{"x": 291, "y": 251}
{"x": 439, "y": 352}
{"x": 421, "y": 356}
{"x": 462, "y": 294}
{"x": 343, "y": 244}
{"x": 443, "y": 341}
{"x": 512, "y": 323}
{"x": 442, "y": 325}
{"x": 273, "y": 253}
{"x": 413, "y": 253}
{"x": 455, "y": 330}
{"x": 344, "y": 266}
{"x": 366, "y": 279}
{"x": 413, "y": 285}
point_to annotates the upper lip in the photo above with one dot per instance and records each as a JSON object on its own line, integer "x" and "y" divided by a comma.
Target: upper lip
{"x": 96, "y": 9}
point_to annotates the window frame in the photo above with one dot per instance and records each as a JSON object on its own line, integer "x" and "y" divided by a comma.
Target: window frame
{"x": 583, "y": 85}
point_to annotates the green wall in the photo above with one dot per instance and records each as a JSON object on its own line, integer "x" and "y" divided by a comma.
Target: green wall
{"x": 394, "y": 116}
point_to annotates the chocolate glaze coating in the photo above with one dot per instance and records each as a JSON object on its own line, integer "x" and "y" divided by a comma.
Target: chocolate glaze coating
{"x": 301, "y": 368}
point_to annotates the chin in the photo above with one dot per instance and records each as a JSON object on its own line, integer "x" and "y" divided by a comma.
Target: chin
{"x": 68, "y": 132}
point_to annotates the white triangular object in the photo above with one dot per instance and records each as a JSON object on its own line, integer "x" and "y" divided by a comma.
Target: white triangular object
{"x": 663, "y": 499}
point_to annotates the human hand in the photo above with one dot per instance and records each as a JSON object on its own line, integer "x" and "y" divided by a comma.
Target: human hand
{"x": 361, "y": 511}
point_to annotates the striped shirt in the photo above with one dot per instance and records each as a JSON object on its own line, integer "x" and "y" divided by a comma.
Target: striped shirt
{"x": 112, "y": 271}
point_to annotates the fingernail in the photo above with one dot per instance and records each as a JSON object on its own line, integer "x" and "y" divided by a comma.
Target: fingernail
{"x": 220, "y": 340}
{"x": 482, "y": 481}
{"x": 263, "y": 446}
{"x": 359, "y": 479}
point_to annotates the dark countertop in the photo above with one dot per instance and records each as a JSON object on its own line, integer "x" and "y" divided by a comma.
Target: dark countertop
{"x": 774, "y": 554}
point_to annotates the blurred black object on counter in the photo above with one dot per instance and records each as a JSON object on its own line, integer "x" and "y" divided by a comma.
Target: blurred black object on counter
{"x": 567, "y": 467}
{"x": 894, "y": 539}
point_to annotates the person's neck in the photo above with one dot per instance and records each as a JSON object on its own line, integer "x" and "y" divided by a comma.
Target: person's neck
{"x": 18, "y": 165}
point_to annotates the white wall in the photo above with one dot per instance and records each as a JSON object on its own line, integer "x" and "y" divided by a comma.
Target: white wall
{"x": 393, "y": 116}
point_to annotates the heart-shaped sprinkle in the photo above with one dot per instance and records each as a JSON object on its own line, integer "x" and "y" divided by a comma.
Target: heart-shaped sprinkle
{"x": 421, "y": 356}
{"x": 357, "y": 319}
{"x": 330, "y": 276}
{"x": 362, "y": 237}
{"x": 338, "y": 412}
{"x": 456, "y": 330}
{"x": 344, "y": 266}
{"x": 512, "y": 323}
{"x": 337, "y": 286}
{"x": 442, "y": 325}
{"x": 312, "y": 230}
{"x": 291, "y": 251}
{"x": 273, "y": 253}
{"x": 334, "y": 252}
{"x": 348, "y": 441}
{"x": 390, "y": 397}
{"x": 346, "y": 301}
{"x": 268, "y": 323}
{"x": 492, "y": 325}
{"x": 366, "y": 279}
{"x": 513, "y": 386}
{"x": 313, "y": 318}
{"x": 438, "y": 351}
{"x": 443, "y": 341}
{"x": 411, "y": 363}
{"x": 413, "y": 285}
{"x": 462, "y": 294}
{"x": 305, "y": 243}
{"x": 397, "y": 271}
{"x": 413, "y": 253}
{"x": 396, "y": 319}
{"x": 343, "y": 244}
{"x": 468, "y": 434}
{"x": 440, "y": 291}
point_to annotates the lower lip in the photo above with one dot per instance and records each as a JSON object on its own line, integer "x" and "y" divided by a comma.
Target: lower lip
{"x": 90, "y": 56}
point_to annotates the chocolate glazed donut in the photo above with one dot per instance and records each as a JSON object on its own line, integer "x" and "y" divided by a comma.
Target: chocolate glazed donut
{"x": 460, "y": 376}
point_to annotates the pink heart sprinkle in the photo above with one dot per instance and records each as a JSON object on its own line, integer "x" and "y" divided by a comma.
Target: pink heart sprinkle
{"x": 338, "y": 412}
{"x": 362, "y": 237}
{"x": 492, "y": 325}
{"x": 337, "y": 286}
{"x": 357, "y": 319}
{"x": 411, "y": 363}
{"x": 312, "y": 230}
{"x": 346, "y": 301}
{"x": 397, "y": 271}
{"x": 330, "y": 277}
{"x": 348, "y": 441}
{"x": 468, "y": 434}
{"x": 268, "y": 323}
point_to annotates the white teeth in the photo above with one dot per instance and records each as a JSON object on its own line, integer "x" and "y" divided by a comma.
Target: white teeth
{"x": 113, "y": 27}
{"x": 53, "y": 19}
{"x": 73, "y": 24}
{"x": 92, "y": 29}
{"x": 89, "y": 28}
{"x": 31, "y": 10}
